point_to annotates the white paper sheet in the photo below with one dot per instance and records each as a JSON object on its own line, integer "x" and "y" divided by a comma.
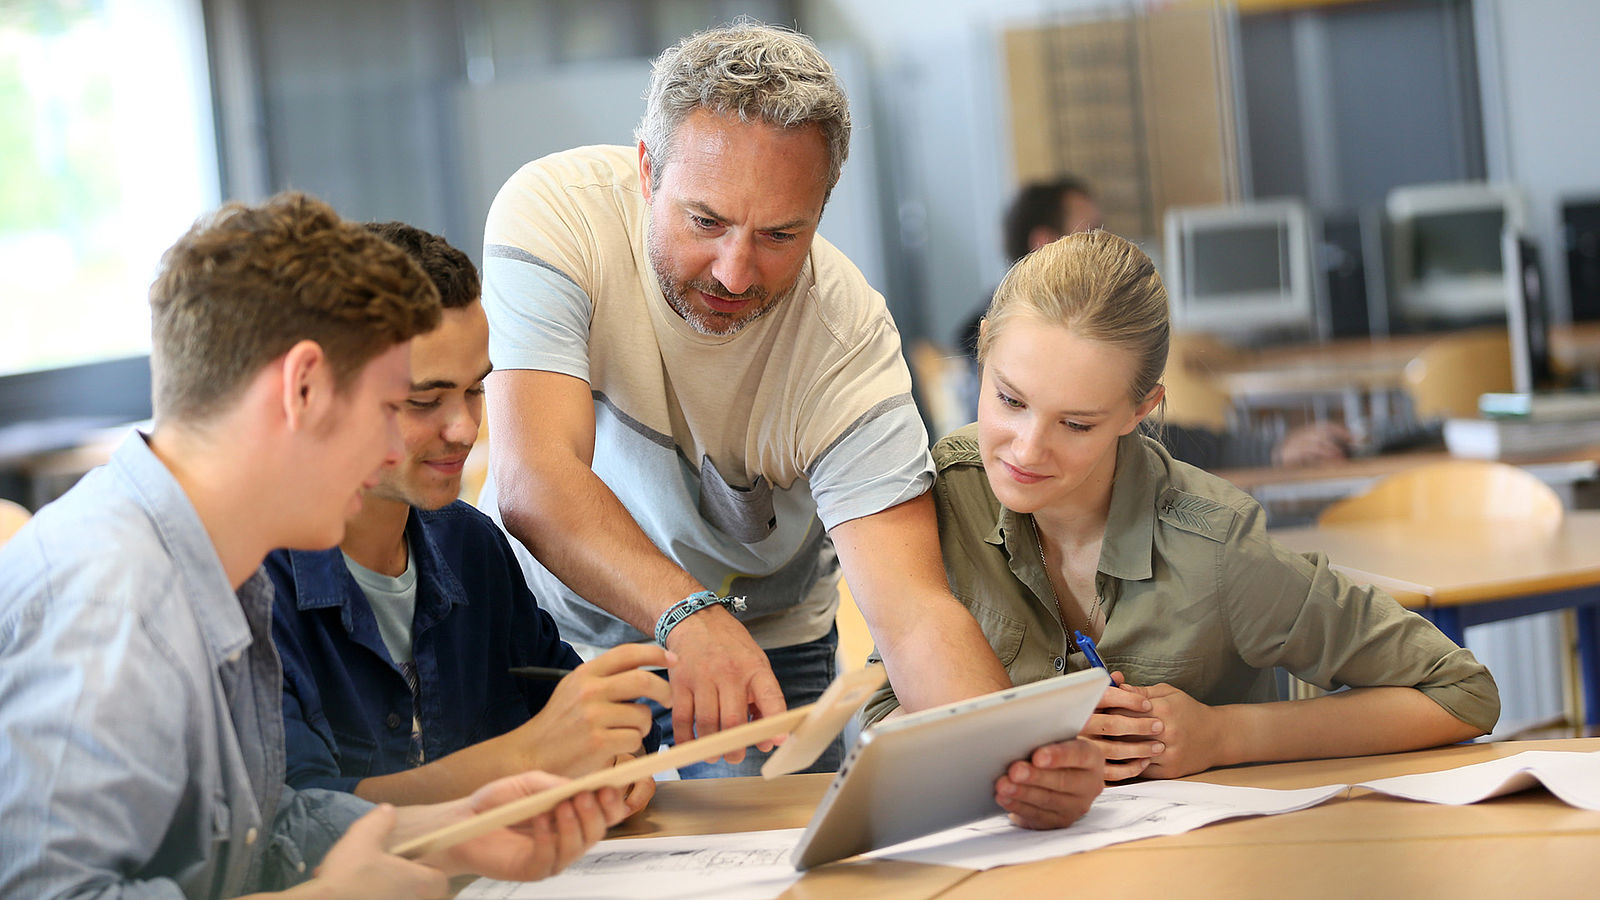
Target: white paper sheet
{"x": 752, "y": 864}
{"x": 757, "y": 863}
{"x": 1573, "y": 777}
{"x": 1122, "y": 813}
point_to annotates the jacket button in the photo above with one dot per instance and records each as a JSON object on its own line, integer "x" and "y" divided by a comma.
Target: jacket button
{"x": 394, "y": 720}
{"x": 1061, "y": 663}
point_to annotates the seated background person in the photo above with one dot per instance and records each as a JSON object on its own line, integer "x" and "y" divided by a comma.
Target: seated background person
{"x": 396, "y": 644}
{"x": 1042, "y": 212}
{"x": 141, "y": 729}
{"x": 1057, "y": 515}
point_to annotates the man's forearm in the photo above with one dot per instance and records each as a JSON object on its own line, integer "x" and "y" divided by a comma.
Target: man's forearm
{"x": 578, "y": 529}
{"x": 939, "y": 655}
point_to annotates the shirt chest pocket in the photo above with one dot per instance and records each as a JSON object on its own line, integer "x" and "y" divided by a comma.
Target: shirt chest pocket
{"x": 744, "y": 514}
{"x": 1184, "y": 672}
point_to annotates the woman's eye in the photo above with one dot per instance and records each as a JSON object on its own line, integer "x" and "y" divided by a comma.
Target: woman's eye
{"x": 423, "y": 404}
{"x": 1010, "y": 401}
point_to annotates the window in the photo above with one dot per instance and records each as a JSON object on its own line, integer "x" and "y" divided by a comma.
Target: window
{"x": 108, "y": 156}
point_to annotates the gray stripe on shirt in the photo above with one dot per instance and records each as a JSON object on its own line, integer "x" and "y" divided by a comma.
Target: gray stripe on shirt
{"x": 506, "y": 251}
{"x": 878, "y": 409}
{"x": 645, "y": 431}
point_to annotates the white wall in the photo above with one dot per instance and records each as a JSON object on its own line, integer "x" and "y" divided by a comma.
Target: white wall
{"x": 937, "y": 73}
{"x": 1549, "y": 116}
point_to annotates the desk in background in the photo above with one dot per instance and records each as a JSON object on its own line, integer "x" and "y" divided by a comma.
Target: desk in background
{"x": 1362, "y": 845}
{"x": 1307, "y": 488}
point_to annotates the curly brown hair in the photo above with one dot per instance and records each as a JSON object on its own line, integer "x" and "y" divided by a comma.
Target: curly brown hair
{"x": 246, "y": 283}
{"x": 451, "y": 270}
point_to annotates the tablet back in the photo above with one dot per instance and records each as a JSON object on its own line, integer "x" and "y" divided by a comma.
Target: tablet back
{"x": 935, "y": 769}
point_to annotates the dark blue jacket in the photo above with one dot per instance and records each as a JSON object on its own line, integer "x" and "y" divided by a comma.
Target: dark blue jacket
{"x": 346, "y": 707}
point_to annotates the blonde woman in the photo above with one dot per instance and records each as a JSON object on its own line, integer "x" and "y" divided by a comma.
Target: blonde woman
{"x": 1058, "y": 515}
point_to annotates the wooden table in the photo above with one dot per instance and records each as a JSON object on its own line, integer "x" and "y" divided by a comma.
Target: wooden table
{"x": 1362, "y": 844}
{"x": 1471, "y": 573}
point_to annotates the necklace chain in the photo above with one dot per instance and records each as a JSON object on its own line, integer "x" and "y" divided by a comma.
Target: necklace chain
{"x": 1038, "y": 539}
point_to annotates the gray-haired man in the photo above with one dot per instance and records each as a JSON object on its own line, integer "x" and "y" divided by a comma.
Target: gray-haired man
{"x": 696, "y": 398}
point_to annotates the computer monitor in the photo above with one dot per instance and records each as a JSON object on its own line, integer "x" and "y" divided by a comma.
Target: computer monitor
{"x": 1447, "y": 260}
{"x": 1243, "y": 271}
{"x": 1527, "y": 314}
{"x": 1580, "y": 236}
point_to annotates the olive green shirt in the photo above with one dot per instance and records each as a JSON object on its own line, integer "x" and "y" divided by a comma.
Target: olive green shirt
{"x": 1194, "y": 591}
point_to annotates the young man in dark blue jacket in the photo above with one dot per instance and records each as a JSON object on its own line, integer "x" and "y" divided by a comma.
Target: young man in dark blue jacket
{"x": 397, "y": 644}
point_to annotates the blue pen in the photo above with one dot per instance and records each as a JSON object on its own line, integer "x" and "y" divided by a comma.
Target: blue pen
{"x": 1086, "y": 644}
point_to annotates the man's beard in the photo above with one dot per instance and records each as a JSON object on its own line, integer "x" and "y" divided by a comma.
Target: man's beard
{"x": 708, "y": 321}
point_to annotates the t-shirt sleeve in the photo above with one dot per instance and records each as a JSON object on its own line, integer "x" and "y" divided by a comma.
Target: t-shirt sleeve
{"x": 881, "y": 460}
{"x": 864, "y": 444}
{"x": 538, "y": 274}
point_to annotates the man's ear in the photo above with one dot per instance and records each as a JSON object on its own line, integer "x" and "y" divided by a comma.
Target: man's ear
{"x": 308, "y": 384}
{"x": 644, "y": 171}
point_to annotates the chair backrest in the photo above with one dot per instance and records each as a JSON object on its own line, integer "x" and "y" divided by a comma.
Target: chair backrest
{"x": 1445, "y": 379}
{"x": 12, "y": 517}
{"x": 1454, "y": 491}
{"x": 1191, "y": 397}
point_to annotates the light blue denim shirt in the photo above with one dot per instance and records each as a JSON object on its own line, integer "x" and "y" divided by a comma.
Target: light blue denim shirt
{"x": 141, "y": 731}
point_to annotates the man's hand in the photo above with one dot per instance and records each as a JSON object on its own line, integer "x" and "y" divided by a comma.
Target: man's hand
{"x": 1054, "y": 786}
{"x": 591, "y": 716}
{"x": 359, "y": 865}
{"x": 1313, "y": 444}
{"x": 531, "y": 850}
{"x": 722, "y": 679}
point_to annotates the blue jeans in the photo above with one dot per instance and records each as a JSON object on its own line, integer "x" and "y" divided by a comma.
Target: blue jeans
{"x": 804, "y": 672}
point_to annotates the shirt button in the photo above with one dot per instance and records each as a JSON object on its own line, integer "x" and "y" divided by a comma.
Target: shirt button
{"x": 1061, "y": 663}
{"x": 250, "y": 837}
{"x": 234, "y": 656}
{"x": 394, "y": 720}
{"x": 300, "y": 867}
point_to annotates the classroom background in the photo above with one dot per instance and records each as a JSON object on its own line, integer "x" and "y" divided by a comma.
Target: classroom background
{"x": 122, "y": 120}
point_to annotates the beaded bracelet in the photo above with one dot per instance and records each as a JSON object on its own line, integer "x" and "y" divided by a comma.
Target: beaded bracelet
{"x": 690, "y": 605}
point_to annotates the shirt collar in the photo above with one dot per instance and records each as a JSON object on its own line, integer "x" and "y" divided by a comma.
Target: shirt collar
{"x": 185, "y": 538}
{"x": 1129, "y": 541}
{"x": 322, "y": 581}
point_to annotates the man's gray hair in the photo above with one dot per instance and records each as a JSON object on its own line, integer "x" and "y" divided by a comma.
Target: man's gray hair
{"x": 758, "y": 72}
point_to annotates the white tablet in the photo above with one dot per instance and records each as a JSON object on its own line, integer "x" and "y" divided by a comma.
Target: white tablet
{"x": 936, "y": 769}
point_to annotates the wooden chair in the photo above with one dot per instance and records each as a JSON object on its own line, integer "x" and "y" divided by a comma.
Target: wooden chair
{"x": 1191, "y": 397}
{"x": 12, "y": 517}
{"x": 1445, "y": 379}
{"x": 855, "y": 642}
{"x": 1457, "y": 491}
